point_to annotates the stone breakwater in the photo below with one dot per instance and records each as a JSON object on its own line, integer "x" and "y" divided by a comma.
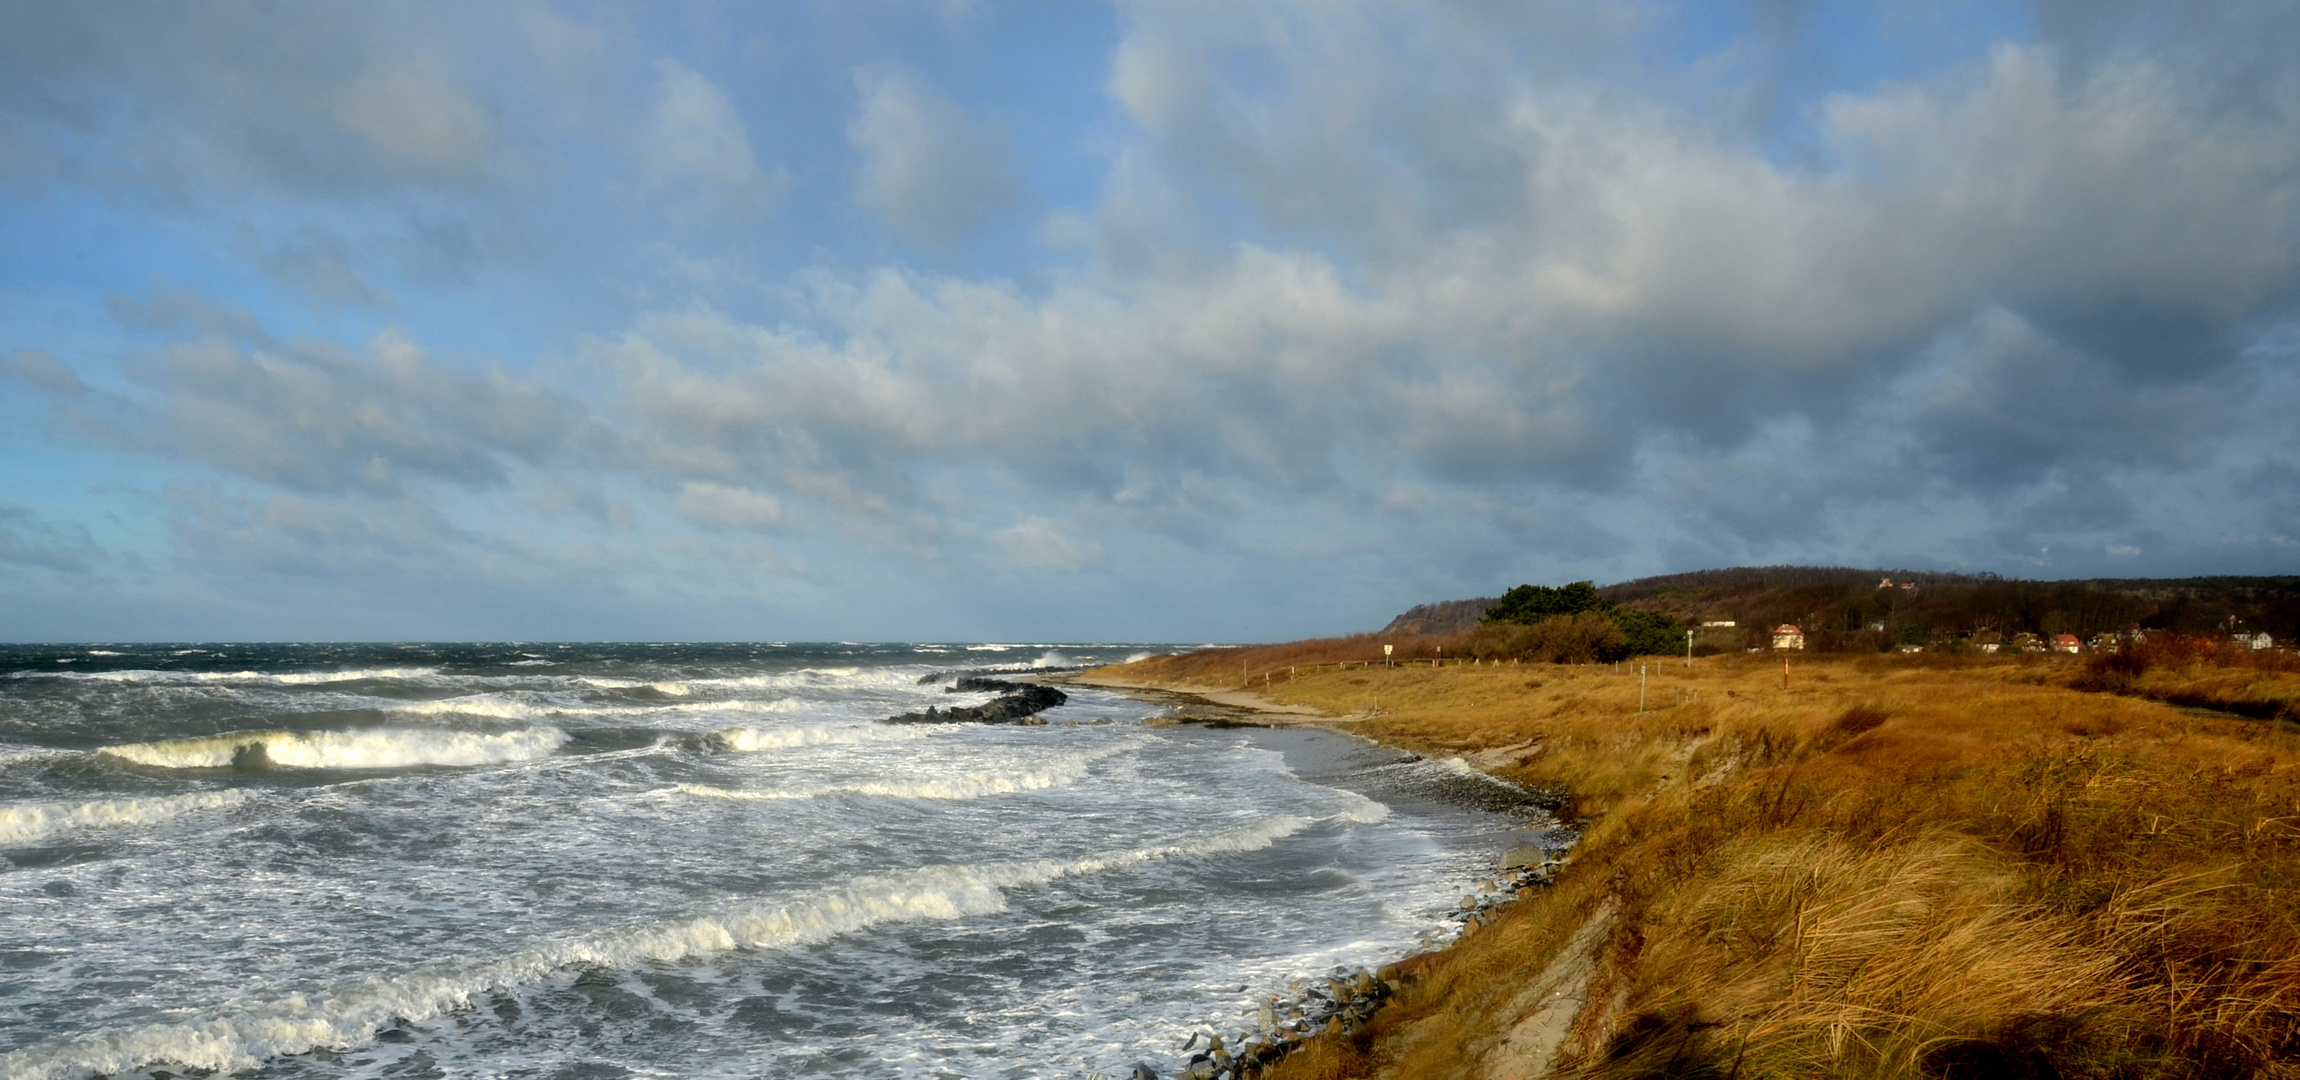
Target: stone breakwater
{"x": 1017, "y": 703}
{"x": 1337, "y": 1005}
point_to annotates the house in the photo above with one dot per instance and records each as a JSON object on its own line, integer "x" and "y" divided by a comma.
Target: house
{"x": 2256, "y": 641}
{"x": 2102, "y": 643}
{"x": 1912, "y": 648}
{"x": 2066, "y": 643}
{"x": 1787, "y": 636}
{"x": 1727, "y": 623}
{"x": 2027, "y": 642}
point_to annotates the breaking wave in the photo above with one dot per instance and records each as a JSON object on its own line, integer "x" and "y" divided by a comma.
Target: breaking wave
{"x": 381, "y": 748}
{"x": 297, "y": 678}
{"x": 351, "y": 1012}
{"x": 524, "y": 707}
{"x": 1058, "y": 772}
{"x": 27, "y": 823}
{"x": 745, "y": 739}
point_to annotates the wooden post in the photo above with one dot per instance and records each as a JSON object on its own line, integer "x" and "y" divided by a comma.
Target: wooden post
{"x": 1640, "y": 688}
{"x": 1784, "y": 670}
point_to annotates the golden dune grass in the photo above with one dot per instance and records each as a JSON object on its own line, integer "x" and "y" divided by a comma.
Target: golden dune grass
{"x": 1896, "y": 867}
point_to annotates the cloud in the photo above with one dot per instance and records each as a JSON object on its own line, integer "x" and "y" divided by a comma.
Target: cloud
{"x": 315, "y": 416}
{"x": 1035, "y": 543}
{"x": 415, "y": 119}
{"x": 42, "y": 371}
{"x": 28, "y": 539}
{"x": 1396, "y": 290}
{"x": 719, "y": 506}
{"x": 229, "y": 95}
{"x": 929, "y": 170}
{"x": 697, "y": 140}
{"x": 317, "y": 264}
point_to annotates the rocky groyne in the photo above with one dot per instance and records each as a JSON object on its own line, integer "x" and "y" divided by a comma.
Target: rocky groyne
{"x": 1016, "y": 703}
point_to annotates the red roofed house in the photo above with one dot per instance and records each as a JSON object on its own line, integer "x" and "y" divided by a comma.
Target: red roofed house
{"x": 1787, "y": 636}
{"x": 2066, "y": 643}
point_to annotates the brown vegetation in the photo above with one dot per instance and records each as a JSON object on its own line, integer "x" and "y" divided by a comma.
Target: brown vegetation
{"x": 1897, "y": 866}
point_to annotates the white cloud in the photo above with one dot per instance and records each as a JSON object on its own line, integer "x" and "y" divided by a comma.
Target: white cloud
{"x": 697, "y": 138}
{"x": 415, "y": 118}
{"x": 929, "y": 170}
{"x": 1035, "y": 543}
{"x": 719, "y": 506}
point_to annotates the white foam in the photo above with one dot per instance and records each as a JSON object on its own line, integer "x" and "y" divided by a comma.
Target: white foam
{"x": 1057, "y": 772}
{"x": 102, "y": 652}
{"x": 251, "y": 1030}
{"x": 9, "y": 755}
{"x": 515, "y": 706}
{"x": 752, "y": 739}
{"x": 298, "y": 678}
{"x": 377, "y": 748}
{"x": 494, "y": 706}
{"x": 25, "y": 823}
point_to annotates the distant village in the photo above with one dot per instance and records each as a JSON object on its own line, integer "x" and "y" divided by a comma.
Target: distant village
{"x": 1838, "y": 609}
{"x": 1789, "y": 636}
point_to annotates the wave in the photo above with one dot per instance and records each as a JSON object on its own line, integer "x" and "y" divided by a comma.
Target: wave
{"x": 743, "y": 739}
{"x": 27, "y": 823}
{"x": 380, "y": 748}
{"x": 1058, "y": 772}
{"x": 521, "y": 707}
{"x": 841, "y": 677}
{"x": 293, "y": 678}
{"x": 252, "y": 1030}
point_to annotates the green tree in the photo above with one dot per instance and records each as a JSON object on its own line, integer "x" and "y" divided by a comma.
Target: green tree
{"x": 1529, "y": 604}
{"x": 1650, "y": 632}
{"x": 1636, "y": 632}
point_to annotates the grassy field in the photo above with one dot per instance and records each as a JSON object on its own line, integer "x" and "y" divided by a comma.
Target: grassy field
{"x": 1893, "y": 866}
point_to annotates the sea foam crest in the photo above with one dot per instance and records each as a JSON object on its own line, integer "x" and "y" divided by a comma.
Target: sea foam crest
{"x": 252, "y": 1030}
{"x": 1056, "y": 772}
{"x": 27, "y": 823}
{"x": 746, "y": 739}
{"x": 376, "y": 748}
{"x": 294, "y": 678}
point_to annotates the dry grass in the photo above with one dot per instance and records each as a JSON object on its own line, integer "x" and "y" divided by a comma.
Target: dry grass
{"x": 1916, "y": 867}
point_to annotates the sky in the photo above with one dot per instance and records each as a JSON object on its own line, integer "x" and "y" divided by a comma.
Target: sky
{"x": 1220, "y": 320}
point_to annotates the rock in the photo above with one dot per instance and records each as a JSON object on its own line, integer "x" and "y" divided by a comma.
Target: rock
{"x": 1020, "y": 703}
{"x": 1523, "y": 857}
{"x": 1144, "y": 1072}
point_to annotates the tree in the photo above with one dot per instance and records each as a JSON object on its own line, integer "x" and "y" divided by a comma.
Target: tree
{"x": 1529, "y": 604}
{"x": 1635, "y": 632}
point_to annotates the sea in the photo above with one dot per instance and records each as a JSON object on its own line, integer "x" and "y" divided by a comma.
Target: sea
{"x": 587, "y": 860}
